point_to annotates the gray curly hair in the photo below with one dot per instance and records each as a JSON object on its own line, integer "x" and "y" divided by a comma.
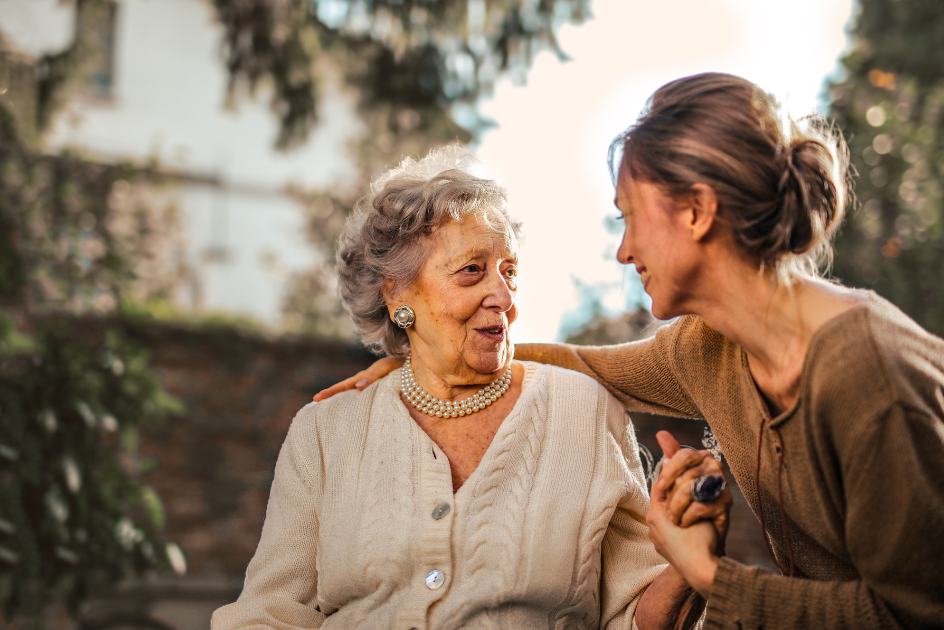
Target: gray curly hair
{"x": 384, "y": 241}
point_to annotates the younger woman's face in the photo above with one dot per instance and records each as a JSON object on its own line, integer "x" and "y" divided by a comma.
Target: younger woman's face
{"x": 657, "y": 241}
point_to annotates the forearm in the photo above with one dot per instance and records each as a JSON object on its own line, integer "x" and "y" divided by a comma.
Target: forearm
{"x": 559, "y": 354}
{"x": 751, "y": 598}
{"x": 637, "y": 374}
{"x": 669, "y": 602}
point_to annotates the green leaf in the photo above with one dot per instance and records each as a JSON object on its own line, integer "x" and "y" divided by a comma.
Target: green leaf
{"x": 154, "y": 507}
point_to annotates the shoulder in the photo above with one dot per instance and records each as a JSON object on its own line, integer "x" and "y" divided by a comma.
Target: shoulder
{"x": 694, "y": 341}
{"x": 571, "y": 394}
{"x": 872, "y": 357}
{"x": 912, "y": 358}
{"x": 340, "y": 415}
{"x": 562, "y": 383}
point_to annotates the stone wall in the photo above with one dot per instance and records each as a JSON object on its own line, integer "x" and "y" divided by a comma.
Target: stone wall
{"x": 217, "y": 460}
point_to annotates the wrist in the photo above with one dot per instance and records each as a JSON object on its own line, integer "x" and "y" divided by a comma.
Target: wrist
{"x": 704, "y": 576}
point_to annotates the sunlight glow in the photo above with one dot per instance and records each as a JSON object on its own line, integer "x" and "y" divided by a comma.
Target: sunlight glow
{"x": 549, "y": 146}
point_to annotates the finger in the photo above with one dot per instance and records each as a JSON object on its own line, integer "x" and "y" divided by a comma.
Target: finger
{"x": 722, "y": 522}
{"x": 668, "y": 443}
{"x": 381, "y": 367}
{"x": 679, "y": 498}
{"x": 337, "y": 388}
{"x": 682, "y": 460}
{"x": 702, "y": 512}
{"x": 657, "y": 495}
{"x": 688, "y": 466}
{"x": 710, "y": 465}
{"x": 717, "y": 511}
{"x": 683, "y": 481}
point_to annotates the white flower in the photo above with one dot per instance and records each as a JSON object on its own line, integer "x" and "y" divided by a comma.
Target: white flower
{"x": 127, "y": 534}
{"x": 176, "y": 557}
{"x": 87, "y": 415}
{"x": 66, "y": 555}
{"x": 48, "y": 419}
{"x": 71, "y": 470}
{"x": 109, "y": 423}
{"x": 56, "y": 507}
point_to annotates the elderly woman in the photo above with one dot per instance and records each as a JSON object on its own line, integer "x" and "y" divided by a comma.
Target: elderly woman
{"x": 464, "y": 490}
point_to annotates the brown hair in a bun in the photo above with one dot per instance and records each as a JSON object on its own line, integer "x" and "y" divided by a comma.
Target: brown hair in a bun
{"x": 782, "y": 185}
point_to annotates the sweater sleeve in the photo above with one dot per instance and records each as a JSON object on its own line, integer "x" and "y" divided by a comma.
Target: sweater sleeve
{"x": 640, "y": 374}
{"x": 894, "y": 515}
{"x": 629, "y": 561}
{"x": 279, "y": 591}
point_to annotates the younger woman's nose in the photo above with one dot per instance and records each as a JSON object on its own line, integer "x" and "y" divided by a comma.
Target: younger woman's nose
{"x": 622, "y": 254}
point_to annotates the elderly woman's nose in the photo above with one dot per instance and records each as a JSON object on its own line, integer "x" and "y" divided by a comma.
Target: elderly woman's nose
{"x": 501, "y": 292}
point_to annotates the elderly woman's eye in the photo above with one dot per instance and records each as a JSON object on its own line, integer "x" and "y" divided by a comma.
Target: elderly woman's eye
{"x": 471, "y": 268}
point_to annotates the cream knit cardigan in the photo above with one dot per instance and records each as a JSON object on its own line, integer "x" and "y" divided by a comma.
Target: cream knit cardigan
{"x": 548, "y": 531}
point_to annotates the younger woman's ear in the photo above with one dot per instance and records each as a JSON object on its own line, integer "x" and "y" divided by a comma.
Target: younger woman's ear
{"x": 704, "y": 210}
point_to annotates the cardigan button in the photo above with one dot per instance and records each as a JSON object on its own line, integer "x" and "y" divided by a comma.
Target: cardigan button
{"x": 440, "y": 510}
{"x": 435, "y": 579}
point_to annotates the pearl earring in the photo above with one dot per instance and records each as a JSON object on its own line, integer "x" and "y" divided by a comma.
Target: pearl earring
{"x": 404, "y": 316}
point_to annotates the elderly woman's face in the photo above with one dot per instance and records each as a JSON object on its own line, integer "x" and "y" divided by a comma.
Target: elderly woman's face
{"x": 464, "y": 299}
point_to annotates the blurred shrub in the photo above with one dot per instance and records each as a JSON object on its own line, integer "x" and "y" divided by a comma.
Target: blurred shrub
{"x": 74, "y": 514}
{"x": 75, "y": 236}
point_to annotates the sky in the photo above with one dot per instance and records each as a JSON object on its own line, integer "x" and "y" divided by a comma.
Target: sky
{"x": 551, "y": 137}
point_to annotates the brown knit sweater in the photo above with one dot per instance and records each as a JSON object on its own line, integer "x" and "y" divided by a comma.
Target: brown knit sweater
{"x": 860, "y": 458}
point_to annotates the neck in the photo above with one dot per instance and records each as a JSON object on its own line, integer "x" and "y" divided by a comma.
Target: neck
{"x": 773, "y": 324}
{"x": 450, "y": 386}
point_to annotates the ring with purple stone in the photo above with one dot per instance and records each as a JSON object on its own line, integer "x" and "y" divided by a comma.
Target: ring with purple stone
{"x": 707, "y": 488}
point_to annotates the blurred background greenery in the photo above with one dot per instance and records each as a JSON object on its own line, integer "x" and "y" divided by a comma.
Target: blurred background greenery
{"x": 101, "y": 237}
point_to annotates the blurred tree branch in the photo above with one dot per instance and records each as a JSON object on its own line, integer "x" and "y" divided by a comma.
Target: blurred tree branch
{"x": 423, "y": 55}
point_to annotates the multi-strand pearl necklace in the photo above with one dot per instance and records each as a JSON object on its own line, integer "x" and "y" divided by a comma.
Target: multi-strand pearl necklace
{"x": 445, "y": 408}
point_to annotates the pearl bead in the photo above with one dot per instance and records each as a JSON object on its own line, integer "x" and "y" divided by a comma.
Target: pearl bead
{"x": 422, "y": 401}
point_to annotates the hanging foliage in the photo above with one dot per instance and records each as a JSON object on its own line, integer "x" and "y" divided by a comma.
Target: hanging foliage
{"x": 419, "y": 56}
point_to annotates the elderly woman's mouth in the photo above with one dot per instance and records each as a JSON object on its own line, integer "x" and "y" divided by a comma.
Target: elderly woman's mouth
{"x": 495, "y": 333}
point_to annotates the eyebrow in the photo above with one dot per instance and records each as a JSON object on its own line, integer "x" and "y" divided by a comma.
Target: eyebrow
{"x": 478, "y": 253}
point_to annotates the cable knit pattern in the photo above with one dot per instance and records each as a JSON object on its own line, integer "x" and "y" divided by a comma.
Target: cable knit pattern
{"x": 494, "y": 547}
{"x": 547, "y": 531}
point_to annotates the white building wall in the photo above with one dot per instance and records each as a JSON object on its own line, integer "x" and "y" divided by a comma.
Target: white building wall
{"x": 168, "y": 103}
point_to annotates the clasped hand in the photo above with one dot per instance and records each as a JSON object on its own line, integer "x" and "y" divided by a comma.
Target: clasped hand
{"x": 689, "y": 534}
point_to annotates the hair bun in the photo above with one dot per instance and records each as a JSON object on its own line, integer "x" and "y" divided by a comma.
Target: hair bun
{"x": 811, "y": 200}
